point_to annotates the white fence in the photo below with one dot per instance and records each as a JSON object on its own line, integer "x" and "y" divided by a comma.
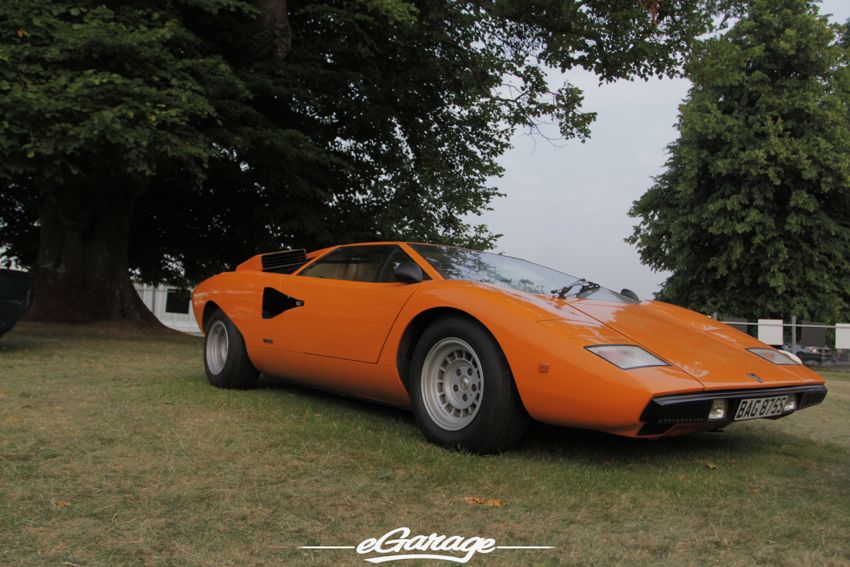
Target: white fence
{"x": 815, "y": 343}
{"x": 171, "y": 306}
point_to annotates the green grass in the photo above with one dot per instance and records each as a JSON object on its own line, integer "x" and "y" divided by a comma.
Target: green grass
{"x": 115, "y": 451}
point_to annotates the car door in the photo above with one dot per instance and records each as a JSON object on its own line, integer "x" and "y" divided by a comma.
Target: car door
{"x": 344, "y": 304}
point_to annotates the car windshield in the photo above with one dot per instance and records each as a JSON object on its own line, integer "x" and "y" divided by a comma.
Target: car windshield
{"x": 463, "y": 264}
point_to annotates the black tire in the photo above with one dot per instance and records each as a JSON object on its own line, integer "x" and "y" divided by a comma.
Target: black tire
{"x": 233, "y": 369}
{"x": 500, "y": 420}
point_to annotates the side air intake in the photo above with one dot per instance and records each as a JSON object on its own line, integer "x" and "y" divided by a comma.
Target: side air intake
{"x": 275, "y": 303}
{"x": 284, "y": 262}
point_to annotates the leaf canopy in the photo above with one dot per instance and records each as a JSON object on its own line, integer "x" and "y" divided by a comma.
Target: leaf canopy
{"x": 752, "y": 213}
{"x": 349, "y": 120}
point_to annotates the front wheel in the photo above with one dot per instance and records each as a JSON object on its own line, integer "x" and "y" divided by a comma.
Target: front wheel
{"x": 225, "y": 357}
{"x": 462, "y": 389}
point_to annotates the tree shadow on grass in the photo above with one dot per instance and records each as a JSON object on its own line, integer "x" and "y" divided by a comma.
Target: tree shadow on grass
{"x": 33, "y": 336}
{"x": 572, "y": 443}
{"x": 13, "y": 342}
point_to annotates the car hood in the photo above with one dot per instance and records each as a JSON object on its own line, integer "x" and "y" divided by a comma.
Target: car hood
{"x": 711, "y": 352}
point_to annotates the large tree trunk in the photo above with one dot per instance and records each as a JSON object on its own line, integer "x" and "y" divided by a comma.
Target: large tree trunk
{"x": 274, "y": 34}
{"x": 82, "y": 272}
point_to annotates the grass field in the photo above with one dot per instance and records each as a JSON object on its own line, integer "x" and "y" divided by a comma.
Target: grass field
{"x": 115, "y": 451}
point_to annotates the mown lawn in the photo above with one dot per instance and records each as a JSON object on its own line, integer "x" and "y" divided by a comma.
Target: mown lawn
{"x": 115, "y": 451}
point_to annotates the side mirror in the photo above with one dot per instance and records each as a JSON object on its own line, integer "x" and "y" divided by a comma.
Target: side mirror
{"x": 630, "y": 294}
{"x": 408, "y": 272}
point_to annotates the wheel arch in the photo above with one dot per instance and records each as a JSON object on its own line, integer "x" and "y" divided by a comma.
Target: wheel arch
{"x": 209, "y": 308}
{"x": 416, "y": 327}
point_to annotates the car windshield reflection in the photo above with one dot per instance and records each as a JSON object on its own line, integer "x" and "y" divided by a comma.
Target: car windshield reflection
{"x": 473, "y": 265}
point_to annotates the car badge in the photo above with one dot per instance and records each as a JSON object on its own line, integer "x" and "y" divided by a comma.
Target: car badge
{"x": 755, "y": 377}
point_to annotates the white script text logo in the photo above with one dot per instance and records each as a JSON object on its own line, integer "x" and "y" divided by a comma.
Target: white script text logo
{"x": 398, "y": 544}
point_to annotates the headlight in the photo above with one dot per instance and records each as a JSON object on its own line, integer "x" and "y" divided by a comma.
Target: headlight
{"x": 626, "y": 356}
{"x": 773, "y": 355}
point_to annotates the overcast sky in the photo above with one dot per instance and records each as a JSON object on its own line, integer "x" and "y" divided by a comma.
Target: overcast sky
{"x": 566, "y": 206}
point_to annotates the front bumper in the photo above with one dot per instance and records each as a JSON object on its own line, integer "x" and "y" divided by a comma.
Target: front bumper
{"x": 665, "y": 412}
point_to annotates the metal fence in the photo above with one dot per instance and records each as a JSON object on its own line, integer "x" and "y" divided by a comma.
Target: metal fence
{"x": 817, "y": 344}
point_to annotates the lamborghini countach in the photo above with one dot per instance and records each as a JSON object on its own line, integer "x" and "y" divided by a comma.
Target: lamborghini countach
{"x": 478, "y": 344}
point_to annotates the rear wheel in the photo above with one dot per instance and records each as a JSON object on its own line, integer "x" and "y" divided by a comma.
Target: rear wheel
{"x": 225, "y": 358}
{"x": 462, "y": 389}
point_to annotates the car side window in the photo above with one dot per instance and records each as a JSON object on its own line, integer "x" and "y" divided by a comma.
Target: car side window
{"x": 397, "y": 257}
{"x": 352, "y": 263}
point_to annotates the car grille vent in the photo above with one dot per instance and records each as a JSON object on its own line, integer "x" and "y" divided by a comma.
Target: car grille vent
{"x": 811, "y": 398}
{"x": 285, "y": 261}
{"x": 694, "y": 411}
{"x": 660, "y": 418}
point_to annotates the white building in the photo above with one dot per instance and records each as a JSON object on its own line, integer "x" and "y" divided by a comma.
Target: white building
{"x": 171, "y": 306}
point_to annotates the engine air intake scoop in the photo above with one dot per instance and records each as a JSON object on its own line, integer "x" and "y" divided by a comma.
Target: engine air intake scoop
{"x": 284, "y": 262}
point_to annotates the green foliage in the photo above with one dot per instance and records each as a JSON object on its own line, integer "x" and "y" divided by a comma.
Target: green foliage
{"x": 752, "y": 214}
{"x": 95, "y": 99}
{"x": 83, "y": 82}
{"x": 385, "y": 119}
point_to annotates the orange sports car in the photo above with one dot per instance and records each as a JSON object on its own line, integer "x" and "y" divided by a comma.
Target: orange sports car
{"x": 479, "y": 343}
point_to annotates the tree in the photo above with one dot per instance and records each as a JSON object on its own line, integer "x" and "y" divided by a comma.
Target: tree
{"x": 169, "y": 139}
{"x": 95, "y": 101}
{"x": 752, "y": 212}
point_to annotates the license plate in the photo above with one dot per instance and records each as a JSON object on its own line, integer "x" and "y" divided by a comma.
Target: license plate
{"x": 760, "y": 407}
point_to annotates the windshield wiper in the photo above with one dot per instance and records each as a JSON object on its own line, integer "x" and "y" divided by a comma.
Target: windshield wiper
{"x": 585, "y": 287}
